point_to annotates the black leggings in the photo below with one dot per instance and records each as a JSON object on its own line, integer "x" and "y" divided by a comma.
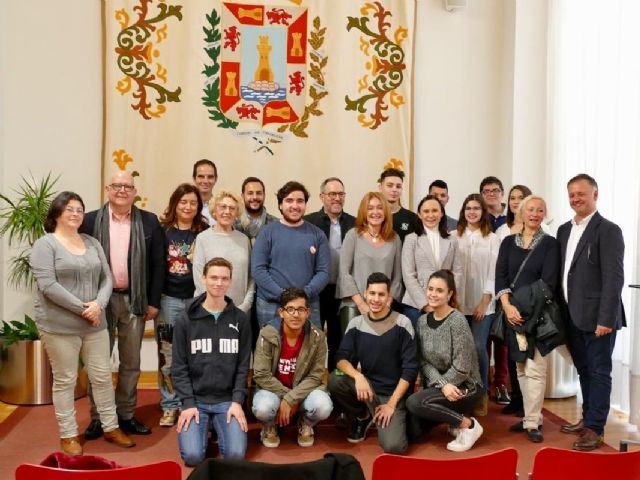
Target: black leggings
{"x": 430, "y": 404}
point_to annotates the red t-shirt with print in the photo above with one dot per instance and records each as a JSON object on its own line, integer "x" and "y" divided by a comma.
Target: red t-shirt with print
{"x": 288, "y": 359}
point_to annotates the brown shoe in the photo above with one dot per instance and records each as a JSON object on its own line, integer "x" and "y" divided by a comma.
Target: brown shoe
{"x": 118, "y": 437}
{"x": 573, "y": 428}
{"x": 589, "y": 440}
{"x": 71, "y": 446}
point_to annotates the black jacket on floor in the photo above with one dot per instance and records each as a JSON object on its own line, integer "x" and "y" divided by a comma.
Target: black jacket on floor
{"x": 334, "y": 466}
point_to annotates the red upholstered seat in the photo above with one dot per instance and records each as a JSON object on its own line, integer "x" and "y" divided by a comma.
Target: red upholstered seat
{"x": 500, "y": 465}
{"x": 557, "y": 464}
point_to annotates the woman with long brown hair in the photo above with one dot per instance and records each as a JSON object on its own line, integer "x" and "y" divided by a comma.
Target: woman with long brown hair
{"x": 371, "y": 246}
{"x": 478, "y": 251}
{"x": 181, "y": 221}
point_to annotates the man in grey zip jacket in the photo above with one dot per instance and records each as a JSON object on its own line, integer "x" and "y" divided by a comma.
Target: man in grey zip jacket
{"x": 288, "y": 366}
{"x": 211, "y": 352}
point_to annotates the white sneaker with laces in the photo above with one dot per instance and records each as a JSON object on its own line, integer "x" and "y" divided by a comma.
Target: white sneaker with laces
{"x": 466, "y": 438}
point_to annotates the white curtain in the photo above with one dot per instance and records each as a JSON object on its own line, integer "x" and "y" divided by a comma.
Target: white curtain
{"x": 594, "y": 127}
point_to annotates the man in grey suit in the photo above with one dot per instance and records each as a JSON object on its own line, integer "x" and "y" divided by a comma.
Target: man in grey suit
{"x": 592, "y": 250}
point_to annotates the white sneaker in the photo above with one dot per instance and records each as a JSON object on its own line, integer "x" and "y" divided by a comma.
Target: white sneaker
{"x": 466, "y": 438}
{"x": 269, "y": 436}
{"x": 169, "y": 417}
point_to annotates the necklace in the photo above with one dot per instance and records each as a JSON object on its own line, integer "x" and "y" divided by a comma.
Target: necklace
{"x": 374, "y": 238}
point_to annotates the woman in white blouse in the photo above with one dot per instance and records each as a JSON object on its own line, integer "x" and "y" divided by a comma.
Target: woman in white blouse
{"x": 222, "y": 240}
{"x": 426, "y": 252}
{"x": 478, "y": 250}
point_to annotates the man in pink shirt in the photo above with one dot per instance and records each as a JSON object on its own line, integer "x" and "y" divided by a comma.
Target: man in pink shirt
{"x": 132, "y": 241}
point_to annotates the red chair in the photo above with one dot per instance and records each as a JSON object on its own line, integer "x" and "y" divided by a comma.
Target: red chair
{"x": 557, "y": 464}
{"x": 155, "y": 471}
{"x": 500, "y": 465}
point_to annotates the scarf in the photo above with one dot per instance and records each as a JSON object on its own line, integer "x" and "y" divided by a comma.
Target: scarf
{"x": 251, "y": 226}
{"x": 137, "y": 252}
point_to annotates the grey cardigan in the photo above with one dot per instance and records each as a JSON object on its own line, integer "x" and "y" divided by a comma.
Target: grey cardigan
{"x": 66, "y": 281}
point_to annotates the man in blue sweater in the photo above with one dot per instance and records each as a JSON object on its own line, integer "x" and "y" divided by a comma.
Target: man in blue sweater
{"x": 383, "y": 343}
{"x": 290, "y": 253}
{"x": 211, "y": 351}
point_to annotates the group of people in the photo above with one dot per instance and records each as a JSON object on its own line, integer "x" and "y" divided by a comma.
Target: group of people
{"x": 402, "y": 296}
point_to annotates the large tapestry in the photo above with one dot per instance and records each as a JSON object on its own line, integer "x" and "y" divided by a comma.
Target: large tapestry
{"x": 281, "y": 90}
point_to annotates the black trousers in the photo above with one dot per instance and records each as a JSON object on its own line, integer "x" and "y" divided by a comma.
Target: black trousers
{"x": 329, "y": 316}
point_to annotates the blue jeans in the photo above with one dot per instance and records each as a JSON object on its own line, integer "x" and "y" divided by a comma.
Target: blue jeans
{"x": 267, "y": 311}
{"x": 410, "y": 312}
{"x": 480, "y": 331}
{"x": 315, "y": 408}
{"x": 232, "y": 441}
{"x": 170, "y": 309}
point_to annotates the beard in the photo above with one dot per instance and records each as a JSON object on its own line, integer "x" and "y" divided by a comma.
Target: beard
{"x": 289, "y": 219}
{"x": 250, "y": 210}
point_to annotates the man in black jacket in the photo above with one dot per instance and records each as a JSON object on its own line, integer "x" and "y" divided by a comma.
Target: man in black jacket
{"x": 211, "y": 351}
{"x": 335, "y": 223}
{"x": 133, "y": 244}
{"x": 592, "y": 253}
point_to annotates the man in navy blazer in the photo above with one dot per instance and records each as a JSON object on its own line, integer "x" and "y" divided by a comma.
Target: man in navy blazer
{"x": 592, "y": 250}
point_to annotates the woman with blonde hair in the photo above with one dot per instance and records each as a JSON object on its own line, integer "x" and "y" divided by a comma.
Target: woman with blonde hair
{"x": 371, "y": 246}
{"x": 524, "y": 259}
{"x": 222, "y": 240}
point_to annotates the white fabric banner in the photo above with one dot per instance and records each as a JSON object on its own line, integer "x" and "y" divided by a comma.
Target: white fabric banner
{"x": 280, "y": 90}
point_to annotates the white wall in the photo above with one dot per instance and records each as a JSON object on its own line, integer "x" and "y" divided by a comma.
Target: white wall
{"x": 463, "y": 95}
{"x": 50, "y": 105}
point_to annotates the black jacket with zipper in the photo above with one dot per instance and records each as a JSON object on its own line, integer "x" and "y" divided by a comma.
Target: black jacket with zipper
{"x": 211, "y": 357}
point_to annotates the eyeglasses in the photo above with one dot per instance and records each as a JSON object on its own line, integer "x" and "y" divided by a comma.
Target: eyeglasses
{"x": 121, "y": 186}
{"x": 493, "y": 191}
{"x": 334, "y": 195}
{"x": 296, "y": 311}
{"x": 72, "y": 210}
{"x": 231, "y": 208}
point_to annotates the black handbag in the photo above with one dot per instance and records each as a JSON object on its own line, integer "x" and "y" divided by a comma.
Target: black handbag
{"x": 551, "y": 316}
{"x": 498, "y": 326}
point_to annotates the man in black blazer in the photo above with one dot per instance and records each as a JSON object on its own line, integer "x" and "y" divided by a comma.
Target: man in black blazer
{"x": 335, "y": 223}
{"x": 592, "y": 250}
{"x": 133, "y": 243}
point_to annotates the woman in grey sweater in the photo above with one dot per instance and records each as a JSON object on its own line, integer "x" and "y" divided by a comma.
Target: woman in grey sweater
{"x": 449, "y": 366}
{"x": 371, "y": 246}
{"x": 74, "y": 286}
{"x": 222, "y": 240}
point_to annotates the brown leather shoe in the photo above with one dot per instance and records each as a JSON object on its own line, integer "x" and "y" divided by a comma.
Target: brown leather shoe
{"x": 118, "y": 437}
{"x": 71, "y": 446}
{"x": 589, "y": 440}
{"x": 573, "y": 428}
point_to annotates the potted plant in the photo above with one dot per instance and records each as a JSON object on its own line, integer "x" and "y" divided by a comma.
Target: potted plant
{"x": 25, "y": 370}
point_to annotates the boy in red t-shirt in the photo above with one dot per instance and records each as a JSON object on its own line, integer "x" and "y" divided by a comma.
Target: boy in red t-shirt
{"x": 288, "y": 366}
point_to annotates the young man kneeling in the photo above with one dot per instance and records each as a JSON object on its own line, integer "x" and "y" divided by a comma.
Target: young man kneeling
{"x": 288, "y": 365}
{"x": 211, "y": 352}
{"x": 382, "y": 341}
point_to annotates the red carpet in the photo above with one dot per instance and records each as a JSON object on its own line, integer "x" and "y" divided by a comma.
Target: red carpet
{"x": 31, "y": 433}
